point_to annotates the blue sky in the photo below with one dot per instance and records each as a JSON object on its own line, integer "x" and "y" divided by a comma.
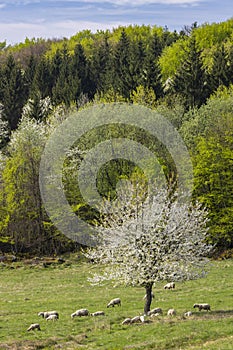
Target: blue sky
{"x": 64, "y": 18}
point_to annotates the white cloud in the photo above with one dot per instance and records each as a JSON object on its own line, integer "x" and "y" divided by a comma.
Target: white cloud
{"x": 113, "y": 2}
{"x": 18, "y": 32}
{"x": 134, "y": 2}
{"x": 146, "y": 2}
{"x": 2, "y": 6}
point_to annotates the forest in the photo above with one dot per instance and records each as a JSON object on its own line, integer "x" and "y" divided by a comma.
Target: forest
{"x": 186, "y": 76}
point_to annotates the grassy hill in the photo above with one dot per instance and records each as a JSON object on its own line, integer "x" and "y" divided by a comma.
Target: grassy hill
{"x": 26, "y": 289}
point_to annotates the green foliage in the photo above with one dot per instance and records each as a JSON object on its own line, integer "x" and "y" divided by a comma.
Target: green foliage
{"x": 12, "y": 92}
{"x": 190, "y": 78}
{"x": 213, "y": 184}
{"x": 125, "y": 64}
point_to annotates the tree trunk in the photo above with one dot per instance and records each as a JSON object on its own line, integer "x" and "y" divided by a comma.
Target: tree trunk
{"x": 148, "y": 298}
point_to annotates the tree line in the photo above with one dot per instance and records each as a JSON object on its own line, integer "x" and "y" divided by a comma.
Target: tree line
{"x": 42, "y": 81}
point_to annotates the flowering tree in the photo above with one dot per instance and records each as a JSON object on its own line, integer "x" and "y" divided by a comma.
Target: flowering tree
{"x": 161, "y": 239}
{"x": 4, "y": 128}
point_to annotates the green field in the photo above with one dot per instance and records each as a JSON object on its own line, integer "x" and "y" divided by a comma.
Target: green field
{"x": 26, "y": 290}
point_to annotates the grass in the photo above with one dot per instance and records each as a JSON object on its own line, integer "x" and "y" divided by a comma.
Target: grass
{"x": 25, "y": 290}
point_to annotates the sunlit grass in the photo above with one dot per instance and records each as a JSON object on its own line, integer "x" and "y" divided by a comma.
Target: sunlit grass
{"x": 25, "y": 291}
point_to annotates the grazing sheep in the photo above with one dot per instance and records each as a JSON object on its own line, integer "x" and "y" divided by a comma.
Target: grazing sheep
{"x": 155, "y": 315}
{"x": 202, "y": 307}
{"x": 170, "y": 285}
{"x": 152, "y": 296}
{"x": 46, "y": 314}
{"x": 81, "y": 312}
{"x": 157, "y": 310}
{"x": 188, "y": 314}
{"x": 113, "y": 302}
{"x": 98, "y": 313}
{"x": 34, "y": 326}
{"x": 53, "y": 317}
{"x": 171, "y": 312}
{"x": 136, "y": 319}
{"x": 126, "y": 321}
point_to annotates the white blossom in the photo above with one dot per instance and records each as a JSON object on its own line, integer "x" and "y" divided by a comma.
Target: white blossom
{"x": 163, "y": 239}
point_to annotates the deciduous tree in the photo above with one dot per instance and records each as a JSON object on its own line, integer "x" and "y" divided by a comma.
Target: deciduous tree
{"x": 152, "y": 241}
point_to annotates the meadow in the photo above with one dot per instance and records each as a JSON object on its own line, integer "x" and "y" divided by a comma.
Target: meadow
{"x": 26, "y": 289}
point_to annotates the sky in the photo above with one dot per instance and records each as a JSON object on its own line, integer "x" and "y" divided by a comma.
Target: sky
{"x": 63, "y": 18}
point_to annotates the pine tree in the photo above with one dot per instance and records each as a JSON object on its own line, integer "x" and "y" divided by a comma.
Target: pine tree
{"x": 136, "y": 68}
{"x": 80, "y": 71}
{"x": 30, "y": 73}
{"x": 219, "y": 72}
{"x": 65, "y": 84}
{"x": 190, "y": 79}
{"x": 123, "y": 81}
{"x": 102, "y": 66}
{"x": 152, "y": 72}
{"x": 42, "y": 80}
{"x": 13, "y": 93}
{"x": 230, "y": 65}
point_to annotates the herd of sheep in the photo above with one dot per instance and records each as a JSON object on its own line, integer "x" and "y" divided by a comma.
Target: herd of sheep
{"x": 53, "y": 315}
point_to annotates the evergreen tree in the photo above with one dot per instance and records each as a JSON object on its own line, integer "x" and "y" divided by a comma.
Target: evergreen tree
{"x": 65, "y": 85}
{"x": 190, "y": 79}
{"x": 30, "y": 73}
{"x": 136, "y": 68}
{"x": 230, "y": 65}
{"x": 102, "y": 71}
{"x": 42, "y": 79}
{"x": 12, "y": 92}
{"x": 37, "y": 108}
{"x": 219, "y": 72}
{"x": 152, "y": 73}
{"x": 123, "y": 81}
{"x": 80, "y": 70}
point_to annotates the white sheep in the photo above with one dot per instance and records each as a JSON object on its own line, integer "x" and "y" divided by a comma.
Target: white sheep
{"x": 126, "y": 321}
{"x": 98, "y": 313}
{"x": 188, "y": 314}
{"x": 136, "y": 319}
{"x": 157, "y": 310}
{"x": 155, "y": 315}
{"x": 171, "y": 312}
{"x": 79, "y": 313}
{"x": 152, "y": 296}
{"x": 34, "y": 326}
{"x": 170, "y": 285}
{"x": 53, "y": 317}
{"x": 113, "y": 302}
{"x": 46, "y": 314}
{"x": 202, "y": 307}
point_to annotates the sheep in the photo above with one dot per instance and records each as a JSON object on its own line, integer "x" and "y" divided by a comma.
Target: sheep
{"x": 53, "y": 317}
{"x": 98, "y": 313}
{"x": 188, "y": 314}
{"x": 126, "y": 321}
{"x": 113, "y": 302}
{"x": 46, "y": 314}
{"x": 155, "y": 315}
{"x": 34, "y": 326}
{"x": 202, "y": 307}
{"x": 170, "y": 285}
{"x": 152, "y": 296}
{"x": 136, "y": 319}
{"x": 157, "y": 310}
{"x": 171, "y": 312}
{"x": 81, "y": 312}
